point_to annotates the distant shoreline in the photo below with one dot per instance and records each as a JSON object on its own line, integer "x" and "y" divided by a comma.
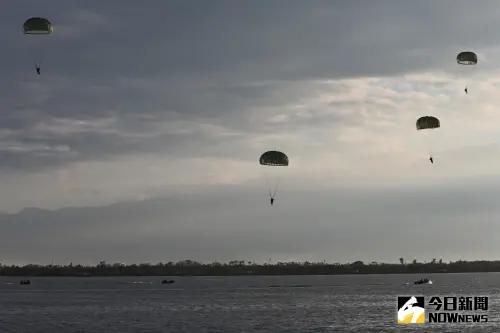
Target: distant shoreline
{"x": 233, "y": 275}
{"x": 241, "y": 268}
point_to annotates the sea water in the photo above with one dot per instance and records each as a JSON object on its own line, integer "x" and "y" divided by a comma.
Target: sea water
{"x": 334, "y": 303}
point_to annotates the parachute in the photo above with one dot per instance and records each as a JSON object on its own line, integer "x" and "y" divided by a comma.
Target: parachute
{"x": 274, "y": 158}
{"x": 467, "y": 58}
{"x": 271, "y": 160}
{"x": 426, "y": 123}
{"x": 37, "y": 26}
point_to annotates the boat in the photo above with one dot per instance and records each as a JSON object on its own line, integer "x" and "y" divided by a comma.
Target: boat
{"x": 167, "y": 281}
{"x": 423, "y": 281}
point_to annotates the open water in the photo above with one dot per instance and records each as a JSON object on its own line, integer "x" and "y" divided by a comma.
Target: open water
{"x": 338, "y": 303}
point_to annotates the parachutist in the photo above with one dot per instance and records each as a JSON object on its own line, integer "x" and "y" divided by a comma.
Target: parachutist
{"x": 467, "y": 58}
{"x": 37, "y": 26}
{"x": 273, "y": 159}
{"x": 426, "y": 123}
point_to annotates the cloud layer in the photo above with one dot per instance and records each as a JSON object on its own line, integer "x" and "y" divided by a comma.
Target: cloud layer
{"x": 179, "y": 98}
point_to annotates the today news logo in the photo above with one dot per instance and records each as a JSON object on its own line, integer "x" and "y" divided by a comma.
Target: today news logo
{"x": 442, "y": 309}
{"x": 411, "y": 310}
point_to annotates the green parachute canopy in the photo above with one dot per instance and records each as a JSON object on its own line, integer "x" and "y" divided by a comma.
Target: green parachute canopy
{"x": 274, "y": 158}
{"x": 467, "y": 58}
{"x": 37, "y": 26}
{"x": 427, "y": 122}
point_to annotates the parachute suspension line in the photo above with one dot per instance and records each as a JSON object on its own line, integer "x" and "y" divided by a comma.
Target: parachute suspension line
{"x": 275, "y": 187}
{"x": 272, "y": 185}
{"x": 269, "y": 186}
{"x": 272, "y": 182}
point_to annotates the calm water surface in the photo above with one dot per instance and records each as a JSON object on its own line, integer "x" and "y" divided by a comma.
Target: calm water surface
{"x": 341, "y": 303}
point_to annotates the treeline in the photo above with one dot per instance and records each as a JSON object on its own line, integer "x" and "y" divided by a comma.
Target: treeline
{"x": 189, "y": 267}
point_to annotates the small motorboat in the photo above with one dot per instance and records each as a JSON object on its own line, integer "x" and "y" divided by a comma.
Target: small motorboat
{"x": 24, "y": 282}
{"x": 423, "y": 281}
{"x": 167, "y": 281}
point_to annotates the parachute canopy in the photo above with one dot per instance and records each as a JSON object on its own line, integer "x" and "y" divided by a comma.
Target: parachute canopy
{"x": 427, "y": 122}
{"x": 467, "y": 58}
{"x": 37, "y": 26}
{"x": 274, "y": 158}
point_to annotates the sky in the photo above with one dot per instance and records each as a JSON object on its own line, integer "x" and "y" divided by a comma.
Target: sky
{"x": 139, "y": 141}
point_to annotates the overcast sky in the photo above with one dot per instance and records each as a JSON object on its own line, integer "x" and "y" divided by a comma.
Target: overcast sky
{"x": 148, "y": 121}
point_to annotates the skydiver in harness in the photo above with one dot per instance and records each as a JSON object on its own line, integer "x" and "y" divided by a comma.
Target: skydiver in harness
{"x": 466, "y": 92}
{"x": 431, "y": 159}
{"x": 37, "y": 67}
{"x": 271, "y": 200}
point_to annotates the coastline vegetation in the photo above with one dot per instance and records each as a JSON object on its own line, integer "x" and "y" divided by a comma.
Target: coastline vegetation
{"x": 237, "y": 267}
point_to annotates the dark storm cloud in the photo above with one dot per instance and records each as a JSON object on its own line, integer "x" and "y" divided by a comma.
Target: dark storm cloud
{"x": 201, "y": 61}
{"x": 137, "y": 100}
